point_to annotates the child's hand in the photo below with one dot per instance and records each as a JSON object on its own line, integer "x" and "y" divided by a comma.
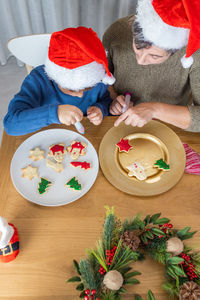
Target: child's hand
{"x": 95, "y": 115}
{"x": 69, "y": 114}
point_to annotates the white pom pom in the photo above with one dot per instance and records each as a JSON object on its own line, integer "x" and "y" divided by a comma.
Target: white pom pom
{"x": 7, "y": 232}
{"x": 187, "y": 61}
{"x": 108, "y": 79}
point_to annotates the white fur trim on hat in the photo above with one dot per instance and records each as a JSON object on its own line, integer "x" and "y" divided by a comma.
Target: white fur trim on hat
{"x": 76, "y": 79}
{"x": 108, "y": 79}
{"x": 187, "y": 61}
{"x": 156, "y": 31}
{"x": 7, "y": 232}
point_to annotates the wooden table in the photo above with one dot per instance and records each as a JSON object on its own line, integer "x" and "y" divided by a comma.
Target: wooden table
{"x": 50, "y": 238}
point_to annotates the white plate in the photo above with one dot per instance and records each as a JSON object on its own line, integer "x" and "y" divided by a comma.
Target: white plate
{"x": 58, "y": 194}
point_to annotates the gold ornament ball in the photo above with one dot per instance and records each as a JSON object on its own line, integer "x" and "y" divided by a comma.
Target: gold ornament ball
{"x": 113, "y": 280}
{"x": 175, "y": 246}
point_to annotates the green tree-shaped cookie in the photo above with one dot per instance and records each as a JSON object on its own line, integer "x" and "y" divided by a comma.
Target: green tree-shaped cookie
{"x": 73, "y": 184}
{"x": 161, "y": 164}
{"x": 43, "y": 185}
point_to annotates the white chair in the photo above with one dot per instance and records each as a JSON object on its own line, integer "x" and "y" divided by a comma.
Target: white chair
{"x": 30, "y": 49}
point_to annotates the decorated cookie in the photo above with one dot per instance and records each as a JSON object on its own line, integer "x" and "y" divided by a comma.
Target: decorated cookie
{"x": 136, "y": 169}
{"x": 162, "y": 165}
{"x": 74, "y": 184}
{"x": 58, "y": 167}
{"x": 84, "y": 165}
{"x": 29, "y": 172}
{"x": 57, "y": 151}
{"x": 36, "y": 154}
{"x": 124, "y": 146}
{"x": 76, "y": 149}
{"x": 43, "y": 185}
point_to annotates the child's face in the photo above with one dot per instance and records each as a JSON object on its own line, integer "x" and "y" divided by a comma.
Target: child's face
{"x": 74, "y": 93}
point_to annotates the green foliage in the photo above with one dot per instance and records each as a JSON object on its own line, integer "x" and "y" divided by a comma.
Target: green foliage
{"x": 108, "y": 232}
{"x": 184, "y": 233}
{"x": 175, "y": 260}
{"x": 100, "y": 255}
{"x": 133, "y": 224}
{"x": 74, "y": 279}
{"x": 76, "y": 266}
{"x": 138, "y": 297}
{"x": 123, "y": 257}
{"x": 171, "y": 288}
{"x": 87, "y": 274}
{"x": 150, "y": 295}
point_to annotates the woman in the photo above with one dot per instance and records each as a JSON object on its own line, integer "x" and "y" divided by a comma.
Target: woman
{"x": 147, "y": 58}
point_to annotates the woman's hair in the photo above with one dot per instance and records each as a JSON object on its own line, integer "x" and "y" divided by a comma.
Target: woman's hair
{"x": 140, "y": 42}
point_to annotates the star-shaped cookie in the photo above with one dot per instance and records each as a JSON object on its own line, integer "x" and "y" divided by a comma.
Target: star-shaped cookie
{"x": 124, "y": 146}
{"x": 29, "y": 172}
{"x": 36, "y": 154}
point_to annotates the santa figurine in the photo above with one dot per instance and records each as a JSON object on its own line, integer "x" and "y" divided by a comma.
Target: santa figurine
{"x": 9, "y": 241}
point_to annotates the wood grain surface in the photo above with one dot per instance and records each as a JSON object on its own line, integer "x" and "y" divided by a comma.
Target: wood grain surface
{"x": 51, "y": 237}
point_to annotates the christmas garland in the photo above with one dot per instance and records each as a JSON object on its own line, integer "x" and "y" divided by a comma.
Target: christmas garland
{"x": 106, "y": 271}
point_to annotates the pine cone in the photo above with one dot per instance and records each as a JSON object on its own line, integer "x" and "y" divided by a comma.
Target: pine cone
{"x": 189, "y": 291}
{"x": 131, "y": 240}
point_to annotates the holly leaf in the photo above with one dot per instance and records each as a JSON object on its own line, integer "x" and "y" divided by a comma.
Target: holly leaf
{"x": 80, "y": 287}
{"x": 154, "y": 218}
{"x": 138, "y": 297}
{"x": 131, "y": 281}
{"x": 184, "y": 233}
{"x": 174, "y": 260}
{"x": 161, "y": 221}
{"x": 74, "y": 279}
{"x": 157, "y": 231}
{"x": 122, "y": 290}
{"x": 131, "y": 274}
{"x": 76, "y": 265}
{"x": 147, "y": 219}
{"x": 150, "y": 295}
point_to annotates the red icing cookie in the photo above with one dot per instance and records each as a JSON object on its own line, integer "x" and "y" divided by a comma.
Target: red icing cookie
{"x": 58, "y": 152}
{"x": 84, "y": 165}
{"x": 124, "y": 146}
{"x": 76, "y": 149}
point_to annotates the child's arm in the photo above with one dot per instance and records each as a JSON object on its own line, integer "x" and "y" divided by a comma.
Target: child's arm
{"x": 26, "y": 112}
{"x": 104, "y": 100}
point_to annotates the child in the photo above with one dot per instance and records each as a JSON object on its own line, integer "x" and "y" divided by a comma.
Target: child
{"x": 72, "y": 83}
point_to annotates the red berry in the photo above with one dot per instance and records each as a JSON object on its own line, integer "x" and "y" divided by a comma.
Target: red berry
{"x": 87, "y": 292}
{"x": 86, "y": 297}
{"x": 94, "y": 292}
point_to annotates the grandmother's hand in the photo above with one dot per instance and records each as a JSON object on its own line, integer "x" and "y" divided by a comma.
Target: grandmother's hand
{"x": 117, "y": 105}
{"x": 137, "y": 115}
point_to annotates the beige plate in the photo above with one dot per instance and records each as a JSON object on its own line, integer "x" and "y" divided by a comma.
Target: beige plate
{"x": 151, "y": 142}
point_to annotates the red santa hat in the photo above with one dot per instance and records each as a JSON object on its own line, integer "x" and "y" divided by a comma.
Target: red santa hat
{"x": 171, "y": 24}
{"x": 77, "y": 59}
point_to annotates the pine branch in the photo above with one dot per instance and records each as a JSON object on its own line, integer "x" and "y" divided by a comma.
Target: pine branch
{"x": 87, "y": 274}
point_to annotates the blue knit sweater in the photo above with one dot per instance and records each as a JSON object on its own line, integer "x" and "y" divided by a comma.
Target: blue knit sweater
{"x": 36, "y": 105}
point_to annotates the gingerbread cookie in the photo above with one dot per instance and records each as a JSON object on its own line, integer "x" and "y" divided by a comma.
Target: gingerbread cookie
{"x": 84, "y": 165}
{"x": 136, "y": 169}
{"x": 57, "y": 151}
{"x": 58, "y": 167}
{"x": 162, "y": 165}
{"x": 124, "y": 146}
{"x": 76, "y": 149}
{"x": 29, "y": 172}
{"x": 43, "y": 185}
{"x": 73, "y": 184}
{"x": 36, "y": 154}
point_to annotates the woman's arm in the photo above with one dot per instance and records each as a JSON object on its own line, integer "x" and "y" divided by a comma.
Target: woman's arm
{"x": 142, "y": 113}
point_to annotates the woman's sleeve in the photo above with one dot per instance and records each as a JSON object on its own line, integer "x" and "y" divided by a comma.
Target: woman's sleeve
{"x": 107, "y": 41}
{"x": 25, "y": 112}
{"x": 195, "y": 108}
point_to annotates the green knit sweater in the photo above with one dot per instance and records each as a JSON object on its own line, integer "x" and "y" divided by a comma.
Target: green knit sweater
{"x": 167, "y": 82}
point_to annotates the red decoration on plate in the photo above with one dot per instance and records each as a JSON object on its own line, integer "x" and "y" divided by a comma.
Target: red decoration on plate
{"x": 124, "y": 146}
{"x": 57, "y": 148}
{"x": 77, "y": 145}
{"x": 84, "y": 165}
